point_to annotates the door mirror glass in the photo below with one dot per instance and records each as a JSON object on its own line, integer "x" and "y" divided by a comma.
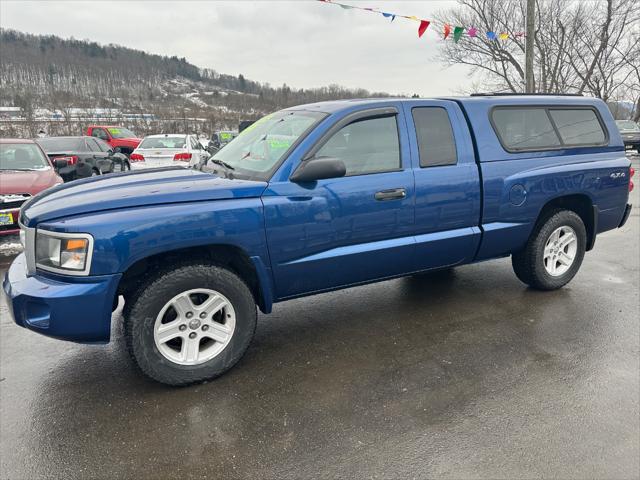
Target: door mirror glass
{"x": 319, "y": 168}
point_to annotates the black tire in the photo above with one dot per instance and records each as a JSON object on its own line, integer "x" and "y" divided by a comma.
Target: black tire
{"x": 123, "y": 166}
{"x": 528, "y": 264}
{"x": 145, "y": 305}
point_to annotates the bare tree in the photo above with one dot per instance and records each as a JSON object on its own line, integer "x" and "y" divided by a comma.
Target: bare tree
{"x": 579, "y": 46}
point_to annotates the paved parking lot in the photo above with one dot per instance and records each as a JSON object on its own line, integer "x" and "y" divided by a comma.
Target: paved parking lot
{"x": 462, "y": 375}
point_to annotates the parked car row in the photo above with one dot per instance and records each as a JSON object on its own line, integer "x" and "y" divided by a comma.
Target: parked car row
{"x": 28, "y": 167}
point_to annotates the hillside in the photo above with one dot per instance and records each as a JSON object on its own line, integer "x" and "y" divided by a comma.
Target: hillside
{"x": 48, "y": 73}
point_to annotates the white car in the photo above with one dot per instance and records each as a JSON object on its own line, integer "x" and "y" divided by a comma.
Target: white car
{"x": 168, "y": 150}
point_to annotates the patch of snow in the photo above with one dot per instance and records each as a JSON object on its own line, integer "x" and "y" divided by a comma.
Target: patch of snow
{"x": 10, "y": 247}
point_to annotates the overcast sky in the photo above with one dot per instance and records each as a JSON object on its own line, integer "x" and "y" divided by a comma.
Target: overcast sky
{"x": 301, "y": 43}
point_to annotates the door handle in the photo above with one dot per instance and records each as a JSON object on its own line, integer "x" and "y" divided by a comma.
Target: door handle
{"x": 392, "y": 194}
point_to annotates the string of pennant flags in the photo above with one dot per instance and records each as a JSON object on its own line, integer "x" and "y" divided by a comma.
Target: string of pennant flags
{"x": 448, "y": 31}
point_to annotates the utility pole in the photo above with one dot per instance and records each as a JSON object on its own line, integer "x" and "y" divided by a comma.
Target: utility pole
{"x": 528, "y": 50}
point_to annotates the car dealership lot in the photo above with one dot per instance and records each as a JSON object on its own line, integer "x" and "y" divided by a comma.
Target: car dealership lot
{"x": 454, "y": 374}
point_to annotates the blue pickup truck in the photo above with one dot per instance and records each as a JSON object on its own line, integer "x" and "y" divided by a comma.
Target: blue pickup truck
{"x": 311, "y": 199}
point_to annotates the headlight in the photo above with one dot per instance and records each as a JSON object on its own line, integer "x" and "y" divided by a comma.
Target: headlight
{"x": 68, "y": 253}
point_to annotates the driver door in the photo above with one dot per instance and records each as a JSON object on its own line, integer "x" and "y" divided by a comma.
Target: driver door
{"x": 336, "y": 232}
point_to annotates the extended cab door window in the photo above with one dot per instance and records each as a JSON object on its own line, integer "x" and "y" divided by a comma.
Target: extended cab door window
{"x": 366, "y": 146}
{"x": 436, "y": 145}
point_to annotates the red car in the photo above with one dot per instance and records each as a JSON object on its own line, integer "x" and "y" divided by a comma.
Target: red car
{"x": 25, "y": 170}
{"x": 118, "y": 137}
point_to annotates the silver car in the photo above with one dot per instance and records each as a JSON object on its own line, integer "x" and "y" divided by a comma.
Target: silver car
{"x": 167, "y": 150}
{"x": 630, "y": 132}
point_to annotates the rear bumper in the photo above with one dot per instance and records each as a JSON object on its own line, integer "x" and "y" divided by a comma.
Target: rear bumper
{"x": 79, "y": 312}
{"x": 625, "y": 217}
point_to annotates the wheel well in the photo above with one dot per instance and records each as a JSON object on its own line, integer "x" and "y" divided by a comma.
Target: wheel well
{"x": 581, "y": 205}
{"x": 227, "y": 256}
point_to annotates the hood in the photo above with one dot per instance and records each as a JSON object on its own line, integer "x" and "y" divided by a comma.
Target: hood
{"x": 31, "y": 182}
{"x": 134, "y": 189}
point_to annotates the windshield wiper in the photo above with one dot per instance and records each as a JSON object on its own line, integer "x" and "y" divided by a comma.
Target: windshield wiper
{"x": 222, "y": 163}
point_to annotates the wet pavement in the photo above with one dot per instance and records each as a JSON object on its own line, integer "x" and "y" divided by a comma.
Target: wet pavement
{"x": 463, "y": 374}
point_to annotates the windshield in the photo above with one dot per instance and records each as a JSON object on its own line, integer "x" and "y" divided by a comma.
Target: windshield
{"x": 119, "y": 132}
{"x": 62, "y": 144}
{"x": 22, "y": 156}
{"x": 164, "y": 142}
{"x": 256, "y": 152}
{"x": 627, "y": 125}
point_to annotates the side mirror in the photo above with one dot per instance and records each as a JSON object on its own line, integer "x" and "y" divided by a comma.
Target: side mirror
{"x": 58, "y": 164}
{"x": 319, "y": 169}
{"x": 116, "y": 150}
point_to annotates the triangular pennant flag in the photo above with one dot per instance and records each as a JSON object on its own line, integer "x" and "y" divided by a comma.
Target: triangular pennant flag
{"x": 457, "y": 33}
{"x": 473, "y": 31}
{"x": 424, "y": 24}
{"x": 387, "y": 15}
{"x": 491, "y": 35}
{"x": 504, "y": 36}
{"x": 447, "y": 30}
{"x": 346, "y": 7}
{"x": 413, "y": 17}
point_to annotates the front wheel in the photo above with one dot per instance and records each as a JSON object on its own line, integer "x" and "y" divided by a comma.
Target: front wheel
{"x": 190, "y": 324}
{"x": 554, "y": 252}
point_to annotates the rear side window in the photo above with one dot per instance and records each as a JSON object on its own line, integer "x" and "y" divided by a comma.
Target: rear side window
{"x": 525, "y": 129}
{"x": 436, "y": 144}
{"x": 578, "y": 127}
{"x": 93, "y": 145}
{"x": 547, "y": 128}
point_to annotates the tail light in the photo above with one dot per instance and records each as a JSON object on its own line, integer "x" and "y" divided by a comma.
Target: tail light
{"x": 71, "y": 159}
{"x": 632, "y": 172}
{"x": 136, "y": 157}
{"x": 181, "y": 157}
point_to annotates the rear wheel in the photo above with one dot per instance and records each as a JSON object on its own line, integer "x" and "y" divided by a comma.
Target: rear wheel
{"x": 190, "y": 324}
{"x": 123, "y": 166}
{"x": 554, "y": 252}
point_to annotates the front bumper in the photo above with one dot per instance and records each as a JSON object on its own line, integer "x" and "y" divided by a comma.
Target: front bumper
{"x": 78, "y": 311}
